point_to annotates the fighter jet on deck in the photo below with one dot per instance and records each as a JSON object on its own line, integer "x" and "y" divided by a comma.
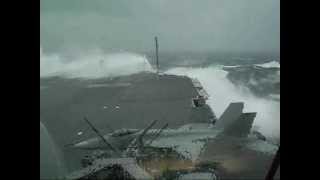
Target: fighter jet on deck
{"x": 189, "y": 140}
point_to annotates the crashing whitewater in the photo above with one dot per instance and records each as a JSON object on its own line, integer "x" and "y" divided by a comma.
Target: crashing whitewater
{"x": 222, "y": 92}
{"x": 93, "y": 65}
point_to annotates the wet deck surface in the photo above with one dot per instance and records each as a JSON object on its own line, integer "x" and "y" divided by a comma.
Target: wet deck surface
{"x": 123, "y": 102}
{"x": 236, "y": 162}
{"x": 128, "y": 164}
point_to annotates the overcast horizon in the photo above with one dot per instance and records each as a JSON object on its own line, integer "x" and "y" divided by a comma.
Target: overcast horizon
{"x": 181, "y": 25}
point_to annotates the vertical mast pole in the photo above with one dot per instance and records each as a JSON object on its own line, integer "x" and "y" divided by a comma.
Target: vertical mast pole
{"x": 157, "y": 57}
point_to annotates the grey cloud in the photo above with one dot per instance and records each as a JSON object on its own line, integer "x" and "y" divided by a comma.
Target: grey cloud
{"x": 182, "y": 25}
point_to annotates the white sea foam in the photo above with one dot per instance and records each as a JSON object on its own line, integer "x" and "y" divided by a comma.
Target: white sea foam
{"x": 95, "y": 64}
{"x": 270, "y": 64}
{"x": 222, "y": 92}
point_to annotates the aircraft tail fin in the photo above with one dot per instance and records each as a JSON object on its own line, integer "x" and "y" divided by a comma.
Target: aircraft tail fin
{"x": 102, "y": 138}
{"x": 241, "y": 127}
{"x": 139, "y": 138}
{"x": 231, "y": 114}
{"x": 157, "y": 134}
{"x": 234, "y": 122}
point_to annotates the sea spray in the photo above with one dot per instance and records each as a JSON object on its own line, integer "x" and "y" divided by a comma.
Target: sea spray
{"x": 95, "y": 64}
{"x": 222, "y": 92}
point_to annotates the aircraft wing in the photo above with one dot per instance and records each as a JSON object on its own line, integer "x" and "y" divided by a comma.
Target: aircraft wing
{"x": 188, "y": 142}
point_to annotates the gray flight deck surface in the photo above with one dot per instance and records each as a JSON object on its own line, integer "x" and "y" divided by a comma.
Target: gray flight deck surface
{"x": 128, "y": 164}
{"x": 112, "y": 103}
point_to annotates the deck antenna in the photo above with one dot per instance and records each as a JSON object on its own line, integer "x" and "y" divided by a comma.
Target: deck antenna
{"x": 157, "y": 56}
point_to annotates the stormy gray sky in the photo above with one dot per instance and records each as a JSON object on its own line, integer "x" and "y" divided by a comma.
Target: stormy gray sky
{"x": 181, "y": 25}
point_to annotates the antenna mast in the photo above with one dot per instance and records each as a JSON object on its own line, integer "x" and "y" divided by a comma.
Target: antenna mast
{"x": 157, "y": 57}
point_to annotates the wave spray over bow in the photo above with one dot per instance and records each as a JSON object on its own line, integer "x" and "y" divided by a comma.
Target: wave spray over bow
{"x": 95, "y": 64}
{"x": 222, "y": 92}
